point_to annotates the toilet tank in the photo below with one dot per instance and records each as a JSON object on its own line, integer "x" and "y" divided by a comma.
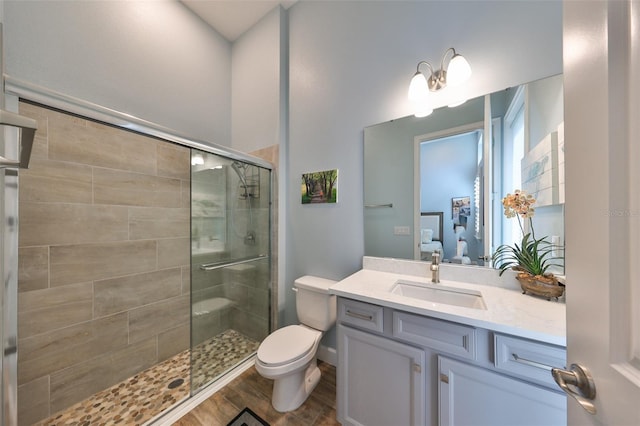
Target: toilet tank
{"x": 316, "y": 308}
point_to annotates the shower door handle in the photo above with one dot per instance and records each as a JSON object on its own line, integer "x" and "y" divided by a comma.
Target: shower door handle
{"x": 220, "y": 265}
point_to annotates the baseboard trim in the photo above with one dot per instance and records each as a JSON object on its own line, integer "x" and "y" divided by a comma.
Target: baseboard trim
{"x": 328, "y": 355}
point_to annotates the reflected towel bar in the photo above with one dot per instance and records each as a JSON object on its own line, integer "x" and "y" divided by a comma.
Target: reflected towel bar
{"x": 224, "y": 264}
{"x": 377, "y": 206}
{"x": 28, "y": 127}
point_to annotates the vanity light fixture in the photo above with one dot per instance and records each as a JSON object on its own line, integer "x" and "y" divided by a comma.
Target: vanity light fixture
{"x": 456, "y": 72}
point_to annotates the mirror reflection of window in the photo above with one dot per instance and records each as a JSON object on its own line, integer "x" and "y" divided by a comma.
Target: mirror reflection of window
{"x": 477, "y": 191}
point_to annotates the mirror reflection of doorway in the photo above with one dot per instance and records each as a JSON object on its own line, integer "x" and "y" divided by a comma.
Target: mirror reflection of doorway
{"x": 450, "y": 174}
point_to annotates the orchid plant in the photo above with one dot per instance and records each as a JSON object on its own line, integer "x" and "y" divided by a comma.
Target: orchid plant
{"x": 533, "y": 255}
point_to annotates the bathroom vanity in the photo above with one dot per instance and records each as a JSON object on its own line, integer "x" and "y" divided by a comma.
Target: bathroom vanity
{"x": 453, "y": 353}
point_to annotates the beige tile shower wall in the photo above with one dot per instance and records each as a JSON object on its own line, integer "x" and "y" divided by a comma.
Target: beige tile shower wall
{"x": 248, "y": 286}
{"x": 103, "y": 259}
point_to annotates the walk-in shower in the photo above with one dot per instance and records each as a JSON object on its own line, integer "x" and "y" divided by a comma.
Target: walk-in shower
{"x": 144, "y": 266}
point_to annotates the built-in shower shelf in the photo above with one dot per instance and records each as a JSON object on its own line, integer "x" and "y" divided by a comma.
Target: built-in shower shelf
{"x": 206, "y": 250}
{"x": 207, "y": 306}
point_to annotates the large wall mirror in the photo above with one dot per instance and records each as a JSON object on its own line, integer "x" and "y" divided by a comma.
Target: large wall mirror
{"x": 437, "y": 182}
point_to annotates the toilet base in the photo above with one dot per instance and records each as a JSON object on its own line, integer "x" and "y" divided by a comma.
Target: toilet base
{"x": 291, "y": 391}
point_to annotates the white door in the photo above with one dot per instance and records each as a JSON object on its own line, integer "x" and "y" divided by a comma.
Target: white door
{"x": 602, "y": 138}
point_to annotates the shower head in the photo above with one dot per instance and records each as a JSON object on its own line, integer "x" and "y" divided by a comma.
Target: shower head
{"x": 236, "y": 165}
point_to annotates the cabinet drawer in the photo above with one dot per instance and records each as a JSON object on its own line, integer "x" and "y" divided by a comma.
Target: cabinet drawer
{"x": 443, "y": 336}
{"x": 363, "y": 315}
{"x": 528, "y": 359}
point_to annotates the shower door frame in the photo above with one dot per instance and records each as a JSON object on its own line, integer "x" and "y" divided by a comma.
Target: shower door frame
{"x": 41, "y": 95}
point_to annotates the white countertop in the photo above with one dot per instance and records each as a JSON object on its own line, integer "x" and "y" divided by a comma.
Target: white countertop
{"x": 508, "y": 310}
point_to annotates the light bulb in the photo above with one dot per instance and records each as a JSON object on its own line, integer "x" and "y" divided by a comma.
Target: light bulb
{"x": 458, "y": 70}
{"x": 418, "y": 88}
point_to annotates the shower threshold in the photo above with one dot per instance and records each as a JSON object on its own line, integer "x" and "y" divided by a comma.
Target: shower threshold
{"x": 144, "y": 396}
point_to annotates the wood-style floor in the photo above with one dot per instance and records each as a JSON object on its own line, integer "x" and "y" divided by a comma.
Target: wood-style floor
{"x": 253, "y": 391}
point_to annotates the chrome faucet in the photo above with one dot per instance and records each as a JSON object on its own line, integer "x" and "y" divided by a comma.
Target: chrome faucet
{"x": 435, "y": 267}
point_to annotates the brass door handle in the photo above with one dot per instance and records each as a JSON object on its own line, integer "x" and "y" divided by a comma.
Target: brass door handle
{"x": 579, "y": 377}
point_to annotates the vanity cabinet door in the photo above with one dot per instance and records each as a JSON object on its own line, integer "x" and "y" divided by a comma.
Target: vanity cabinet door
{"x": 380, "y": 382}
{"x": 470, "y": 395}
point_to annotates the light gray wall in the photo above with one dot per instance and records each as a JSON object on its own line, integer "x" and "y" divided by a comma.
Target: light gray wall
{"x": 351, "y": 63}
{"x": 154, "y": 60}
{"x": 255, "y": 85}
{"x": 546, "y": 108}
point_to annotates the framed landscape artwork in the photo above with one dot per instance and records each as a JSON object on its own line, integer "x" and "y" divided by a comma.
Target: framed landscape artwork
{"x": 320, "y": 187}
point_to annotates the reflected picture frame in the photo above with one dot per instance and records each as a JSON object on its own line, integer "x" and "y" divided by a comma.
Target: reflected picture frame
{"x": 460, "y": 210}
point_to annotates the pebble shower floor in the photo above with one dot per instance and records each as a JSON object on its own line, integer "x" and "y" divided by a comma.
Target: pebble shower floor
{"x": 145, "y": 395}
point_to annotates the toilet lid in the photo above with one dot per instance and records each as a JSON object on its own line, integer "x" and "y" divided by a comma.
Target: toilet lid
{"x": 286, "y": 345}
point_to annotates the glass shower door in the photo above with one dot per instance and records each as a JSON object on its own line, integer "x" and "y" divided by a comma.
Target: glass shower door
{"x": 230, "y": 263}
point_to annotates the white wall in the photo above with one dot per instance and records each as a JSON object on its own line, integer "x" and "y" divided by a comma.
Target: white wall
{"x": 155, "y": 60}
{"x": 351, "y": 63}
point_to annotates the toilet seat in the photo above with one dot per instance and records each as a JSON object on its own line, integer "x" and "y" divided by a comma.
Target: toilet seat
{"x": 287, "y": 345}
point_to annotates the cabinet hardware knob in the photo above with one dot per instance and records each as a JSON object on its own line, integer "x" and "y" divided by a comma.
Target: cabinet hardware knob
{"x": 444, "y": 378}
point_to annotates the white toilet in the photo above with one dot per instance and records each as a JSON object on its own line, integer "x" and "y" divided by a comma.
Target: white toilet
{"x": 288, "y": 355}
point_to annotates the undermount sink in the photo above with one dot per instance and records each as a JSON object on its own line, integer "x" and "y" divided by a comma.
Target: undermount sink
{"x": 438, "y": 293}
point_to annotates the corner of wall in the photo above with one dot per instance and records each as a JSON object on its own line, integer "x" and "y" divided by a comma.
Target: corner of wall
{"x": 283, "y": 170}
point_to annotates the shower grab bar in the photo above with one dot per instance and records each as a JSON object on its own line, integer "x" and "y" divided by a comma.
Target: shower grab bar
{"x": 223, "y": 264}
{"x": 28, "y": 127}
